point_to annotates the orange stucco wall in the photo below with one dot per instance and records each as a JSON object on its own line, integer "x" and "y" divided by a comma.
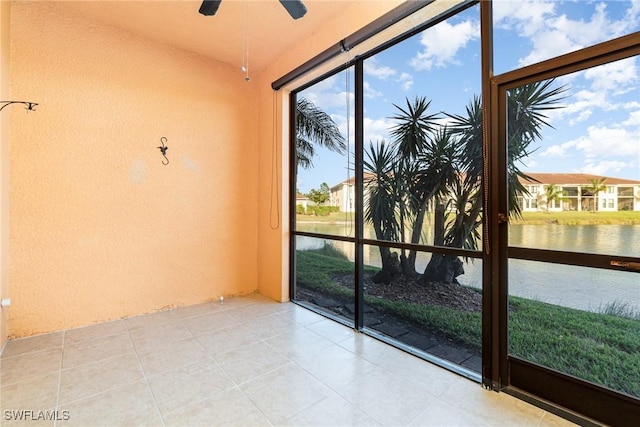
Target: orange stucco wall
{"x": 99, "y": 228}
{"x": 273, "y": 243}
{"x": 5, "y": 11}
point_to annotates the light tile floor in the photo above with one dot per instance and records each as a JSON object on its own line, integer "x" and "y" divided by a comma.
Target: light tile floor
{"x": 249, "y": 361}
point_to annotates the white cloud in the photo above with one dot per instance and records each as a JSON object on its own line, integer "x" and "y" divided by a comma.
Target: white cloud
{"x": 509, "y": 14}
{"x": 633, "y": 120}
{"x": 406, "y": 81}
{"x": 558, "y": 150}
{"x": 442, "y": 42}
{"x": 382, "y": 72}
{"x": 617, "y": 77}
{"x": 376, "y": 129}
{"x": 579, "y": 107}
{"x": 547, "y": 44}
{"x": 605, "y": 167}
{"x": 551, "y": 34}
{"x": 606, "y": 142}
{"x": 370, "y": 92}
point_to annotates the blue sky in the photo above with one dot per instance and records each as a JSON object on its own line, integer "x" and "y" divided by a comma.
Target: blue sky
{"x": 597, "y": 131}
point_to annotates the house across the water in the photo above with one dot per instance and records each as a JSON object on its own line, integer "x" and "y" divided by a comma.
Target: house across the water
{"x": 573, "y": 192}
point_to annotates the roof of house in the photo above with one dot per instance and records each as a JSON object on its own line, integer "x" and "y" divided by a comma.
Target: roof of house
{"x": 352, "y": 180}
{"x": 574, "y": 178}
{"x": 538, "y": 178}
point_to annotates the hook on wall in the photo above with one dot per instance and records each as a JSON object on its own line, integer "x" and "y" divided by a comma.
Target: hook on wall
{"x": 163, "y": 150}
{"x": 30, "y": 105}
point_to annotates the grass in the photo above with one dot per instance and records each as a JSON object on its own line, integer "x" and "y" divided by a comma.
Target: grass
{"x": 600, "y": 347}
{"x": 580, "y": 218}
{"x": 563, "y": 218}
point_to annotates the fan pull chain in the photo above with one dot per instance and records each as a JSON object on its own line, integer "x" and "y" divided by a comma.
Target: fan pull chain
{"x": 245, "y": 43}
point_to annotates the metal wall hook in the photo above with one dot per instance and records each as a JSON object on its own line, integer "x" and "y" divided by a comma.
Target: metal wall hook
{"x": 163, "y": 150}
{"x": 30, "y": 105}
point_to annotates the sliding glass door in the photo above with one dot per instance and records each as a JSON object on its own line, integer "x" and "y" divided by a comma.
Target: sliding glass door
{"x": 571, "y": 260}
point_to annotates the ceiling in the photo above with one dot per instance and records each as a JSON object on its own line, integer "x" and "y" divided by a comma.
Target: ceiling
{"x": 270, "y": 29}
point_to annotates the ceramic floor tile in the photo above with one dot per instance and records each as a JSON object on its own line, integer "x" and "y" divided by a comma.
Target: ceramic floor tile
{"x": 89, "y": 351}
{"x": 497, "y": 409}
{"x": 31, "y": 418}
{"x": 95, "y": 331}
{"x": 86, "y": 380}
{"x": 209, "y": 322}
{"x": 440, "y": 414}
{"x": 152, "y": 337}
{"x": 301, "y": 315}
{"x": 29, "y": 365}
{"x": 196, "y": 310}
{"x": 386, "y": 398}
{"x": 228, "y": 408}
{"x": 271, "y": 326}
{"x": 254, "y": 311}
{"x": 371, "y": 349}
{"x": 330, "y": 412}
{"x": 247, "y": 362}
{"x": 299, "y": 343}
{"x": 226, "y": 339}
{"x": 128, "y": 405}
{"x": 173, "y": 355}
{"x": 284, "y": 393}
{"x": 153, "y": 319}
{"x": 432, "y": 378}
{"x": 332, "y": 330}
{"x": 39, "y": 392}
{"x": 336, "y": 366}
{"x": 176, "y": 389}
{"x": 33, "y": 344}
{"x": 231, "y": 303}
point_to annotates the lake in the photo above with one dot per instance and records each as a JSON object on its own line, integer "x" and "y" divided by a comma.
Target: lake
{"x": 583, "y": 288}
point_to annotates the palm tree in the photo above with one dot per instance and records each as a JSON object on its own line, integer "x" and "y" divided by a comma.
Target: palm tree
{"x": 314, "y": 126}
{"x": 596, "y": 185}
{"x": 406, "y": 174}
{"x": 553, "y": 193}
{"x": 434, "y": 163}
{"x": 382, "y": 205}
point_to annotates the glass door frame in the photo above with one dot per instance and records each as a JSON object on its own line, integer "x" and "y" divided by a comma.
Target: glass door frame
{"x": 514, "y": 375}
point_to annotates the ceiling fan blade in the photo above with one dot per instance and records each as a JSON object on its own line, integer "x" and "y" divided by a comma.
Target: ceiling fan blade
{"x": 295, "y": 8}
{"x": 210, "y": 7}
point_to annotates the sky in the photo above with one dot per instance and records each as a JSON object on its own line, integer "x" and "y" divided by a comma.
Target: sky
{"x": 597, "y": 130}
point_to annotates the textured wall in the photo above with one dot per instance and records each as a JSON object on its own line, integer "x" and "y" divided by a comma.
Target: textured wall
{"x": 99, "y": 228}
{"x": 5, "y": 10}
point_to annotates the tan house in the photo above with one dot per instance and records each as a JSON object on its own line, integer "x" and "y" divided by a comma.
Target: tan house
{"x": 302, "y": 200}
{"x": 575, "y": 193}
{"x": 619, "y": 195}
{"x": 343, "y": 194}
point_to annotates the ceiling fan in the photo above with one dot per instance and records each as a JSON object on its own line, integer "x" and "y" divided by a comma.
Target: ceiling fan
{"x": 295, "y": 7}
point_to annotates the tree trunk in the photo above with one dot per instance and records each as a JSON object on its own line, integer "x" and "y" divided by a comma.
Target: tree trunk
{"x": 415, "y": 236}
{"x": 390, "y": 267}
{"x": 390, "y": 263}
{"x": 441, "y": 268}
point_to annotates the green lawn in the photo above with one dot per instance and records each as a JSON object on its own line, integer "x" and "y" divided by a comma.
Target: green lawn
{"x": 565, "y": 218}
{"x": 579, "y": 218}
{"x": 602, "y": 348}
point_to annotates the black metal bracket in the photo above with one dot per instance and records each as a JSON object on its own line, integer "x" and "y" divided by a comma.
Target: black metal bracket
{"x": 163, "y": 150}
{"x": 30, "y": 105}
